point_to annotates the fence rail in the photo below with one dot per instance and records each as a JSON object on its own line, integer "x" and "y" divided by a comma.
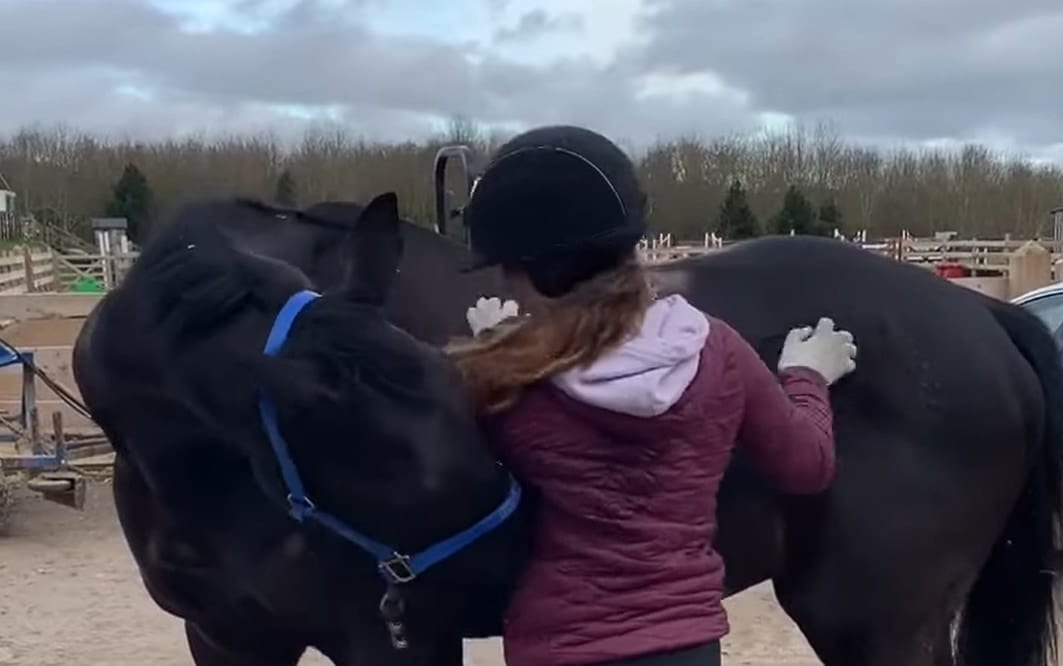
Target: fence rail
{"x": 28, "y": 270}
{"x": 979, "y": 256}
{"x": 98, "y": 269}
{"x": 1001, "y": 268}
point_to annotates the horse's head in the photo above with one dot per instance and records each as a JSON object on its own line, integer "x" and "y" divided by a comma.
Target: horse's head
{"x": 282, "y": 400}
{"x": 375, "y": 421}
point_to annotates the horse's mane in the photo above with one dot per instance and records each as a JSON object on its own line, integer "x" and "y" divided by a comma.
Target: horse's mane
{"x": 312, "y": 215}
{"x": 334, "y": 214}
{"x": 421, "y": 240}
{"x": 194, "y": 275}
{"x": 196, "y": 279}
{"x": 258, "y": 204}
{"x": 203, "y": 218}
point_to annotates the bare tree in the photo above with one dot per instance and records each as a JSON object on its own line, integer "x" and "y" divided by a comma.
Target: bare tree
{"x": 67, "y": 176}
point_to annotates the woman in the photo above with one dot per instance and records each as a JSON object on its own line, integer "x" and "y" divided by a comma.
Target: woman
{"x": 622, "y": 410}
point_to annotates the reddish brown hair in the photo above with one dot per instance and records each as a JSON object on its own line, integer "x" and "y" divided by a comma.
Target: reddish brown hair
{"x": 576, "y": 329}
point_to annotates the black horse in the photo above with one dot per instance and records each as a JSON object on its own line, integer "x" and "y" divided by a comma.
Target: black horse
{"x": 943, "y": 516}
{"x": 215, "y": 439}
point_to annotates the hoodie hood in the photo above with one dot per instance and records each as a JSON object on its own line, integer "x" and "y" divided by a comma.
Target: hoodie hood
{"x": 648, "y": 374}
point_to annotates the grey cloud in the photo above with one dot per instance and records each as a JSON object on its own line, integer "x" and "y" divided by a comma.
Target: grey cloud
{"x": 904, "y": 70}
{"x": 538, "y": 22}
{"x": 305, "y": 63}
{"x": 393, "y": 81}
{"x": 913, "y": 68}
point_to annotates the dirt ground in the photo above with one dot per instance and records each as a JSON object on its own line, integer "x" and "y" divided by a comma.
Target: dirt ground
{"x": 43, "y": 332}
{"x": 70, "y": 594}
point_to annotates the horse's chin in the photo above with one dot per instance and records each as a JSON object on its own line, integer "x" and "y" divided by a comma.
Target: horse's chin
{"x": 293, "y": 547}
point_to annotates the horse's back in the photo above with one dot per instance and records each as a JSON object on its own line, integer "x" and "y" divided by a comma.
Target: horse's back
{"x": 924, "y": 343}
{"x": 938, "y": 384}
{"x": 940, "y": 390}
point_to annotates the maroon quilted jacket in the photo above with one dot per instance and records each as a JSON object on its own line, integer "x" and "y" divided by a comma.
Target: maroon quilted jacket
{"x": 623, "y": 563}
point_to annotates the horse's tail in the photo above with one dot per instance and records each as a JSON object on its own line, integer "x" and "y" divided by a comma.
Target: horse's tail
{"x": 1009, "y": 618}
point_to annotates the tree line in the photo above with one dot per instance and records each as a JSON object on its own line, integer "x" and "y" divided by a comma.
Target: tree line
{"x": 734, "y": 186}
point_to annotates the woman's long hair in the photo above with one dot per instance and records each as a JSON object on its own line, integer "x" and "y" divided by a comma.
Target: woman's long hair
{"x": 576, "y": 329}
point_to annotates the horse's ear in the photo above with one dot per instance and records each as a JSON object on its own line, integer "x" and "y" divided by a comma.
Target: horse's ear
{"x": 378, "y": 246}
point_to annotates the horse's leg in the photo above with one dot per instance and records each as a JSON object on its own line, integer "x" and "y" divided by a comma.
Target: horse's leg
{"x": 876, "y": 570}
{"x": 228, "y": 647}
{"x": 893, "y": 640}
{"x": 750, "y": 537}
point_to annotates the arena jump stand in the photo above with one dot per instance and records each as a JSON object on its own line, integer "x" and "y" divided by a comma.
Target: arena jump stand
{"x": 25, "y": 459}
{"x": 445, "y": 208}
{"x": 112, "y": 244}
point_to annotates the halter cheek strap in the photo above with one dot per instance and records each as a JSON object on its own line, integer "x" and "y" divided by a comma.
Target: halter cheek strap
{"x": 393, "y": 565}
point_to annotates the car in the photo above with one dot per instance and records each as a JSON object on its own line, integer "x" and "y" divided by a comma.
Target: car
{"x": 1047, "y": 304}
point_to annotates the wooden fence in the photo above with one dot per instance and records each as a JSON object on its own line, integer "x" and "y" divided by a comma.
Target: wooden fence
{"x": 26, "y": 270}
{"x": 978, "y": 256}
{"x": 1003, "y": 268}
{"x": 33, "y": 270}
{"x": 30, "y": 270}
{"x": 103, "y": 270}
{"x": 11, "y": 228}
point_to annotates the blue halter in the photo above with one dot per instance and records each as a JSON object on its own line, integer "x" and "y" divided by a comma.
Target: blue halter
{"x": 394, "y": 566}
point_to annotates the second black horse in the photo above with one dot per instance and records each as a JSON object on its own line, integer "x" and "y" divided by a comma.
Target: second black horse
{"x": 944, "y": 513}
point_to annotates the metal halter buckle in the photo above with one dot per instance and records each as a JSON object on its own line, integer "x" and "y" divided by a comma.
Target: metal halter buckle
{"x": 398, "y": 569}
{"x": 300, "y": 507}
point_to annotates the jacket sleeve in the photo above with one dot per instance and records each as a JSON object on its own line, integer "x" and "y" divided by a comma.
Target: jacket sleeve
{"x": 786, "y": 428}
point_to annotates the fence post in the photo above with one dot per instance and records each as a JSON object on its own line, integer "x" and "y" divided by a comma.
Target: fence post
{"x": 1029, "y": 267}
{"x": 56, "y": 284}
{"x": 27, "y": 264}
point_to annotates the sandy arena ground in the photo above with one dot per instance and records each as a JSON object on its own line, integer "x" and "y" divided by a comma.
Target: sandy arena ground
{"x": 43, "y": 332}
{"x": 70, "y": 594}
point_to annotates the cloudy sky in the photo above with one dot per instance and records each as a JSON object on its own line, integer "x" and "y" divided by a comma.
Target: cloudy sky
{"x": 883, "y": 71}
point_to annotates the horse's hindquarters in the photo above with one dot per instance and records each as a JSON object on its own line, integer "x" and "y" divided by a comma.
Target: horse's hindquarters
{"x": 932, "y": 433}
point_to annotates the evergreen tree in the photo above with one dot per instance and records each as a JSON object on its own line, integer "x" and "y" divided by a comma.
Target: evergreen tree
{"x": 284, "y": 191}
{"x": 797, "y": 214}
{"x": 132, "y": 199}
{"x": 830, "y": 218}
{"x": 736, "y": 220}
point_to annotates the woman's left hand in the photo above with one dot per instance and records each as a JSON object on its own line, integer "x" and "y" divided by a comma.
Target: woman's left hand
{"x": 490, "y": 312}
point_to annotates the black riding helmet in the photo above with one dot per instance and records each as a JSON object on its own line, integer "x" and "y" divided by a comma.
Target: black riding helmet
{"x": 561, "y": 203}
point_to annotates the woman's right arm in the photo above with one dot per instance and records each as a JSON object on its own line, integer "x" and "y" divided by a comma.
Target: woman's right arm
{"x": 786, "y": 427}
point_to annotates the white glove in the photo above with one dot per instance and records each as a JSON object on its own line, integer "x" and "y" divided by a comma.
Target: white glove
{"x": 490, "y": 312}
{"x": 829, "y": 352}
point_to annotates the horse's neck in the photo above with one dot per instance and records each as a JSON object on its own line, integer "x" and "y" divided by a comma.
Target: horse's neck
{"x": 287, "y": 241}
